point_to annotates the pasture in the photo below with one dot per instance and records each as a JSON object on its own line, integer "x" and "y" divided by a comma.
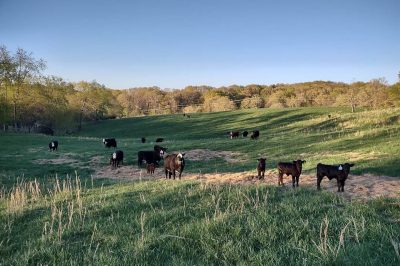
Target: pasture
{"x": 69, "y": 207}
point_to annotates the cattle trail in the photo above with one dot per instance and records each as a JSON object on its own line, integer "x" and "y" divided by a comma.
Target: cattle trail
{"x": 358, "y": 187}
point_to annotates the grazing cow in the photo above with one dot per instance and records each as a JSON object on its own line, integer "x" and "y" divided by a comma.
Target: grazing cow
{"x": 159, "y": 140}
{"x": 150, "y": 168}
{"x": 143, "y": 140}
{"x": 116, "y": 158}
{"x": 110, "y": 143}
{"x": 172, "y": 163}
{"x": 255, "y": 134}
{"x": 340, "y": 172}
{"x": 151, "y": 156}
{"x": 245, "y": 133}
{"x": 53, "y": 146}
{"x": 261, "y": 168}
{"x": 234, "y": 134}
{"x": 293, "y": 169}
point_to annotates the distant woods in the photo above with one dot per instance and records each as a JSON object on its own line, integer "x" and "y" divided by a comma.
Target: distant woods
{"x": 29, "y": 100}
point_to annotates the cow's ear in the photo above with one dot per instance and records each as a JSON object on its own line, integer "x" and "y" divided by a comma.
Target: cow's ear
{"x": 303, "y": 161}
{"x": 351, "y": 164}
{"x": 183, "y": 154}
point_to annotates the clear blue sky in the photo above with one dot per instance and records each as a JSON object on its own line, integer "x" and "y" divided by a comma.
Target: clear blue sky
{"x": 174, "y": 43}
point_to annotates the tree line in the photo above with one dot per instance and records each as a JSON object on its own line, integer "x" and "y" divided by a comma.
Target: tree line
{"x": 29, "y": 99}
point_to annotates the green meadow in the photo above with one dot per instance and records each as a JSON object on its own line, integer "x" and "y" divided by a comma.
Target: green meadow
{"x": 53, "y": 212}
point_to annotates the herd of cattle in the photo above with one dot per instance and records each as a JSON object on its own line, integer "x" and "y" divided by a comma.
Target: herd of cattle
{"x": 176, "y": 162}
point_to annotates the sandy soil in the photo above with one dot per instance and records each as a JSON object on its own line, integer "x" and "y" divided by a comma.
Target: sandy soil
{"x": 205, "y": 155}
{"x": 362, "y": 187}
{"x": 359, "y": 187}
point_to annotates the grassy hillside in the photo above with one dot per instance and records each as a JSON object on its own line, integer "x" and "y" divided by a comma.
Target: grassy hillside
{"x": 78, "y": 220}
{"x": 371, "y": 139}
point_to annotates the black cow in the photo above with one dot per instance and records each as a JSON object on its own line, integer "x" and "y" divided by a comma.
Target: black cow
{"x": 53, "y": 146}
{"x": 159, "y": 139}
{"x": 234, "y": 134}
{"x": 255, "y": 134}
{"x": 245, "y": 133}
{"x": 116, "y": 158}
{"x": 143, "y": 140}
{"x": 172, "y": 163}
{"x": 340, "y": 172}
{"x": 294, "y": 169}
{"x": 110, "y": 143}
{"x": 261, "y": 168}
{"x": 151, "y": 156}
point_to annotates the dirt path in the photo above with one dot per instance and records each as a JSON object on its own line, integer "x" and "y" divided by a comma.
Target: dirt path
{"x": 363, "y": 187}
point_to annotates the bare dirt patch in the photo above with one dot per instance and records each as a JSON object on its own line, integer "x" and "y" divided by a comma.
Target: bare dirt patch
{"x": 126, "y": 172}
{"x": 205, "y": 155}
{"x": 358, "y": 187}
{"x": 362, "y": 187}
{"x": 55, "y": 161}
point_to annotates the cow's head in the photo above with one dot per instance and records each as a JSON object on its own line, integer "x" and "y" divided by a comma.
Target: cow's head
{"x": 104, "y": 141}
{"x": 114, "y": 155}
{"x": 299, "y": 164}
{"x": 160, "y": 149}
{"x": 261, "y": 161}
{"x": 180, "y": 158}
{"x": 345, "y": 168}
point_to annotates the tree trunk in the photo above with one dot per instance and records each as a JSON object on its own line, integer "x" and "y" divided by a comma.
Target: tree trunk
{"x": 353, "y": 108}
{"x": 15, "y": 116}
{"x": 80, "y": 122}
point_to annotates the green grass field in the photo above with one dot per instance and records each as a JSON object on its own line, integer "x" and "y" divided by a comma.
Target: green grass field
{"x": 77, "y": 220}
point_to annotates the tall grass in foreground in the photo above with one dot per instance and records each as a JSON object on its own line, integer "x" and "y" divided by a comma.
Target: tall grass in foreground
{"x": 188, "y": 222}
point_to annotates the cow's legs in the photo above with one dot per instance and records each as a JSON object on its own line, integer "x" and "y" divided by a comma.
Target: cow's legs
{"x": 280, "y": 179}
{"x": 319, "y": 179}
{"x": 174, "y": 174}
{"x": 342, "y": 185}
{"x": 293, "y": 180}
{"x": 297, "y": 180}
{"x": 339, "y": 185}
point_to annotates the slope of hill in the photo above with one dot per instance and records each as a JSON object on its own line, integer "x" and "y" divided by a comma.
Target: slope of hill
{"x": 47, "y": 217}
{"x": 330, "y": 135}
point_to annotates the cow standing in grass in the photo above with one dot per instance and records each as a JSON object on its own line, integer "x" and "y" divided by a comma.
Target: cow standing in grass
{"x": 340, "y": 172}
{"x": 151, "y": 168}
{"x": 172, "y": 163}
{"x": 151, "y": 156}
{"x": 53, "y": 146}
{"x": 261, "y": 168}
{"x": 110, "y": 143}
{"x": 234, "y": 134}
{"x": 116, "y": 158}
{"x": 294, "y": 169}
{"x": 255, "y": 134}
